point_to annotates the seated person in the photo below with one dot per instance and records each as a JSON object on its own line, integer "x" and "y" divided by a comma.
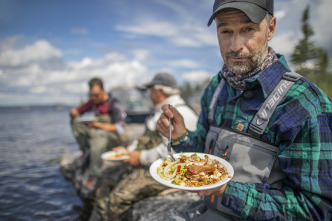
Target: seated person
{"x": 143, "y": 152}
{"x": 95, "y": 138}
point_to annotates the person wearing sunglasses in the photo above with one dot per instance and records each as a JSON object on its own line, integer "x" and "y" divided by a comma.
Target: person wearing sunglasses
{"x": 99, "y": 135}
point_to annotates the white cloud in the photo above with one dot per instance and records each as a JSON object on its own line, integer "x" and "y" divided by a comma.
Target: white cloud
{"x": 127, "y": 73}
{"x": 280, "y": 14}
{"x": 27, "y": 79}
{"x": 85, "y": 62}
{"x": 38, "y": 90}
{"x": 175, "y": 6}
{"x": 141, "y": 54}
{"x": 89, "y": 63}
{"x": 9, "y": 42}
{"x": 207, "y": 36}
{"x": 40, "y": 51}
{"x": 160, "y": 29}
{"x": 184, "y": 63}
{"x": 284, "y": 42}
{"x": 177, "y": 34}
{"x": 196, "y": 76}
{"x": 321, "y": 20}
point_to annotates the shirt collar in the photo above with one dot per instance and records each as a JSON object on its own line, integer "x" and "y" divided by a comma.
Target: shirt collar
{"x": 238, "y": 81}
{"x": 269, "y": 77}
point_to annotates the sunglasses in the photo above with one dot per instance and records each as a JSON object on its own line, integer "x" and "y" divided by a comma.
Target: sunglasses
{"x": 93, "y": 95}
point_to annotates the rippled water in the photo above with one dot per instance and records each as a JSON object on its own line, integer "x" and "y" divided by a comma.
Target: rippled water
{"x": 31, "y": 184}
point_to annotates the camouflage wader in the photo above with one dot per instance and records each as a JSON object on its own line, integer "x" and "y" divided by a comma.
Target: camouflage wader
{"x": 135, "y": 185}
{"x": 99, "y": 140}
{"x": 149, "y": 140}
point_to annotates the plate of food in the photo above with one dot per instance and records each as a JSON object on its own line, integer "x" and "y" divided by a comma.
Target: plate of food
{"x": 86, "y": 119}
{"x": 115, "y": 155}
{"x": 192, "y": 171}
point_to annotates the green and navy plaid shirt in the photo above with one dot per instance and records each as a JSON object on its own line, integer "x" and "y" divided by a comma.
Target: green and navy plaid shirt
{"x": 302, "y": 128}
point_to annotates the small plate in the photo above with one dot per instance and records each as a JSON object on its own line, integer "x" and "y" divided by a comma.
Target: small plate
{"x": 228, "y": 166}
{"x": 111, "y": 156}
{"x": 86, "y": 119}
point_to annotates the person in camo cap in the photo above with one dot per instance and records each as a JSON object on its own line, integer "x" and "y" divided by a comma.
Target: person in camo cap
{"x": 271, "y": 124}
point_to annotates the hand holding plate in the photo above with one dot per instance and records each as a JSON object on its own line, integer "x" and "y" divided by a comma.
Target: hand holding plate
{"x": 218, "y": 191}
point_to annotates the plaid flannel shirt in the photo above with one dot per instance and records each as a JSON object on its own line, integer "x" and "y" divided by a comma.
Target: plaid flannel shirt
{"x": 302, "y": 128}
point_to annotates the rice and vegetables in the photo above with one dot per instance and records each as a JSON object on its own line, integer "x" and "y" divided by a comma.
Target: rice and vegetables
{"x": 192, "y": 171}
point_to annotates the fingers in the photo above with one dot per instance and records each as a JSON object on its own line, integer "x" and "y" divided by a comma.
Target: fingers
{"x": 204, "y": 192}
{"x": 219, "y": 191}
{"x": 167, "y": 110}
{"x": 163, "y": 122}
{"x": 171, "y": 112}
{"x": 163, "y": 125}
{"x": 176, "y": 114}
{"x": 134, "y": 158}
{"x": 74, "y": 112}
{"x": 178, "y": 127}
{"x": 119, "y": 148}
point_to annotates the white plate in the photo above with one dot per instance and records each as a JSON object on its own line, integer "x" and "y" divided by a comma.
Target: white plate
{"x": 157, "y": 163}
{"x": 108, "y": 156}
{"x": 86, "y": 119}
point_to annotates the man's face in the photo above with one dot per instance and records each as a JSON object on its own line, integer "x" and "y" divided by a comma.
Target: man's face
{"x": 243, "y": 44}
{"x": 155, "y": 95}
{"x": 97, "y": 94}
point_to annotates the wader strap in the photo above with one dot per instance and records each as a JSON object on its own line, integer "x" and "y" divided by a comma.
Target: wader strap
{"x": 211, "y": 139}
{"x": 213, "y": 103}
{"x": 262, "y": 117}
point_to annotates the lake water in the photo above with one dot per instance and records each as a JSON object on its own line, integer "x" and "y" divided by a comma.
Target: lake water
{"x": 31, "y": 184}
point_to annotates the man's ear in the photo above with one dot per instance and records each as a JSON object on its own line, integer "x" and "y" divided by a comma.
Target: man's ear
{"x": 271, "y": 29}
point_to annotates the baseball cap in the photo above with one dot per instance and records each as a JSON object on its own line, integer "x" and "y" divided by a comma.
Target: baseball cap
{"x": 164, "y": 79}
{"x": 256, "y": 10}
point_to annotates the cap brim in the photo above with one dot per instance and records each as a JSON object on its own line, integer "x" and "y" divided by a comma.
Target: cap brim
{"x": 144, "y": 86}
{"x": 254, "y": 12}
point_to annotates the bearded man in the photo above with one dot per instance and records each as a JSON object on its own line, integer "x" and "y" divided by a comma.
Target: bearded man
{"x": 271, "y": 124}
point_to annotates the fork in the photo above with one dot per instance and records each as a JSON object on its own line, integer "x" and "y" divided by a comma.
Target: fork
{"x": 169, "y": 145}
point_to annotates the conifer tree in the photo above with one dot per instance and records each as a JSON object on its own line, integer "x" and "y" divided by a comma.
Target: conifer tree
{"x": 310, "y": 61}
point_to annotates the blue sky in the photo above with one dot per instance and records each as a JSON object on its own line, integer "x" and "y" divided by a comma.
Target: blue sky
{"x": 49, "y": 49}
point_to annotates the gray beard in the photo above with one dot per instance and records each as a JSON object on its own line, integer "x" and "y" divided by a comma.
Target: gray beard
{"x": 254, "y": 60}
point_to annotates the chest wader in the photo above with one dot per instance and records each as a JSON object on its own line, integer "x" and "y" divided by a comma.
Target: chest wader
{"x": 104, "y": 118}
{"x": 253, "y": 160}
{"x": 107, "y": 119}
{"x": 149, "y": 139}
